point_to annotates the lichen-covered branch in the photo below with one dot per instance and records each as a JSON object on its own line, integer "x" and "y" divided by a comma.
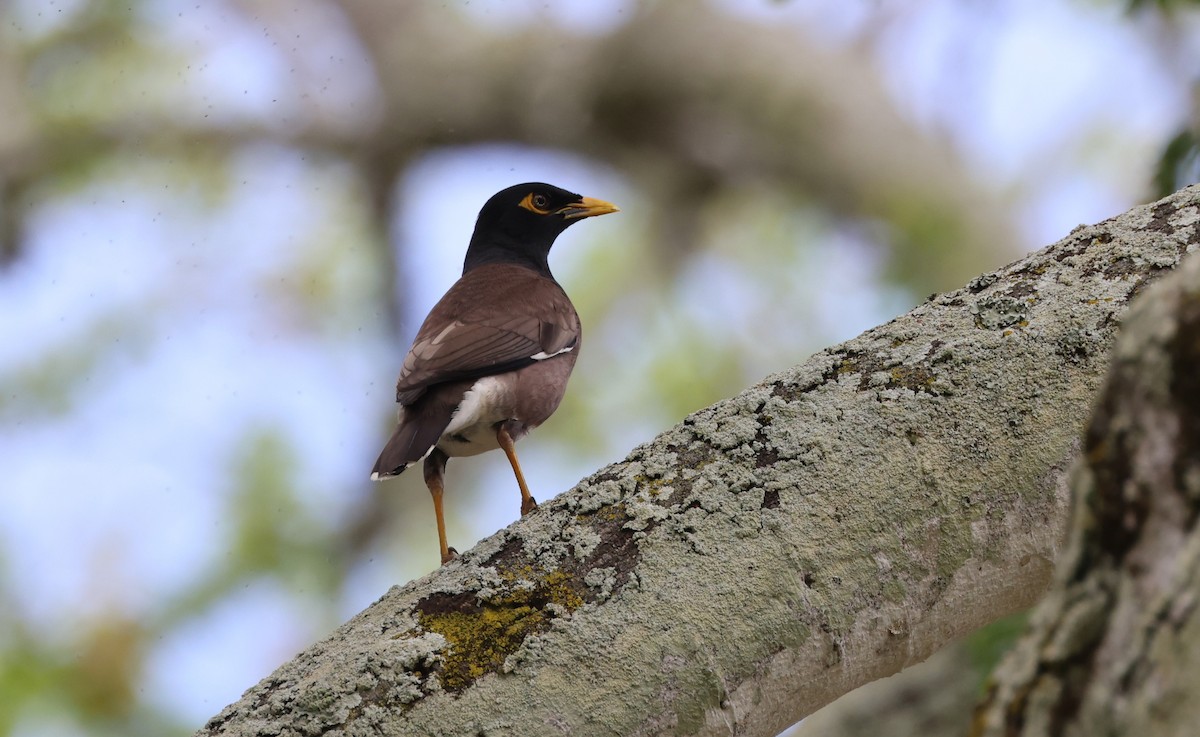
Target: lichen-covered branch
{"x": 824, "y": 528}
{"x": 1114, "y": 649}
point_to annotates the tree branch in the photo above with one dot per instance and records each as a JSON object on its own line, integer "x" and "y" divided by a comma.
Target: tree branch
{"x": 1113, "y": 648}
{"x": 824, "y": 528}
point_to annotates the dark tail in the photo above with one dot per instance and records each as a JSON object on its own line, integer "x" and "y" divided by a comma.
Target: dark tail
{"x": 419, "y": 429}
{"x": 396, "y": 456}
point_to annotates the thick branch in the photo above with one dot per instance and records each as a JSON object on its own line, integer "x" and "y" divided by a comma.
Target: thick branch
{"x": 1113, "y": 649}
{"x": 824, "y": 528}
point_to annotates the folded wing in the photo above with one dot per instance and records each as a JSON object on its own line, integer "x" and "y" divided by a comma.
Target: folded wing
{"x": 491, "y": 321}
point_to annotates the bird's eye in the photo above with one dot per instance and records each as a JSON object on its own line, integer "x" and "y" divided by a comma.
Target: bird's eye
{"x": 536, "y": 203}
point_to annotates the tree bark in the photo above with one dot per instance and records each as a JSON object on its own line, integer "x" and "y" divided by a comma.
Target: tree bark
{"x": 1114, "y": 649}
{"x": 827, "y": 527}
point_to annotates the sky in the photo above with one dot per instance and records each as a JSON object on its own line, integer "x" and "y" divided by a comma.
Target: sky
{"x": 110, "y": 502}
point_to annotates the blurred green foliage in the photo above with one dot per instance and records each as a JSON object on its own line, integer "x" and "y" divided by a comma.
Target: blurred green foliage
{"x": 986, "y": 646}
{"x": 1179, "y": 164}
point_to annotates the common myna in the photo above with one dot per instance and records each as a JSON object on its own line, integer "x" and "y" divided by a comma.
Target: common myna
{"x": 492, "y": 359}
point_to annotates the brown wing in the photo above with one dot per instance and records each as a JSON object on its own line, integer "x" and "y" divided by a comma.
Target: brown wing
{"x": 496, "y": 318}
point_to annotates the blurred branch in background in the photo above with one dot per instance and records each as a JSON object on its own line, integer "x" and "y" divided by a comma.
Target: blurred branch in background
{"x": 208, "y": 216}
{"x": 689, "y": 115}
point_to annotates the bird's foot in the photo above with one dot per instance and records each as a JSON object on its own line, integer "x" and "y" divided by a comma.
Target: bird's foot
{"x": 450, "y": 555}
{"x": 528, "y": 505}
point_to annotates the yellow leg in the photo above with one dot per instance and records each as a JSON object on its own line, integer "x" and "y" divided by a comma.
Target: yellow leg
{"x": 510, "y": 450}
{"x": 435, "y": 467}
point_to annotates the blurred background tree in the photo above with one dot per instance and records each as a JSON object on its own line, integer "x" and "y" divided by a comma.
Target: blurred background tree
{"x": 221, "y": 222}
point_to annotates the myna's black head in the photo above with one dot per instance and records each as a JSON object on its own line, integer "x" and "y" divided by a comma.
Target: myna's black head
{"x": 519, "y": 224}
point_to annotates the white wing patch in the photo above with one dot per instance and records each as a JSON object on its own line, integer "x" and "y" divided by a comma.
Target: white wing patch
{"x": 542, "y": 355}
{"x": 445, "y": 331}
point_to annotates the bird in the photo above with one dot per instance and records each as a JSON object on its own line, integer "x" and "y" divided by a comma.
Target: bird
{"x": 492, "y": 359}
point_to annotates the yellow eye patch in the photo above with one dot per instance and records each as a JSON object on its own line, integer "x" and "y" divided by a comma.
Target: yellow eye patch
{"x": 536, "y": 203}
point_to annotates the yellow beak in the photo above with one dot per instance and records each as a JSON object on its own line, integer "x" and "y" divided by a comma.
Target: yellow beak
{"x": 587, "y": 207}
